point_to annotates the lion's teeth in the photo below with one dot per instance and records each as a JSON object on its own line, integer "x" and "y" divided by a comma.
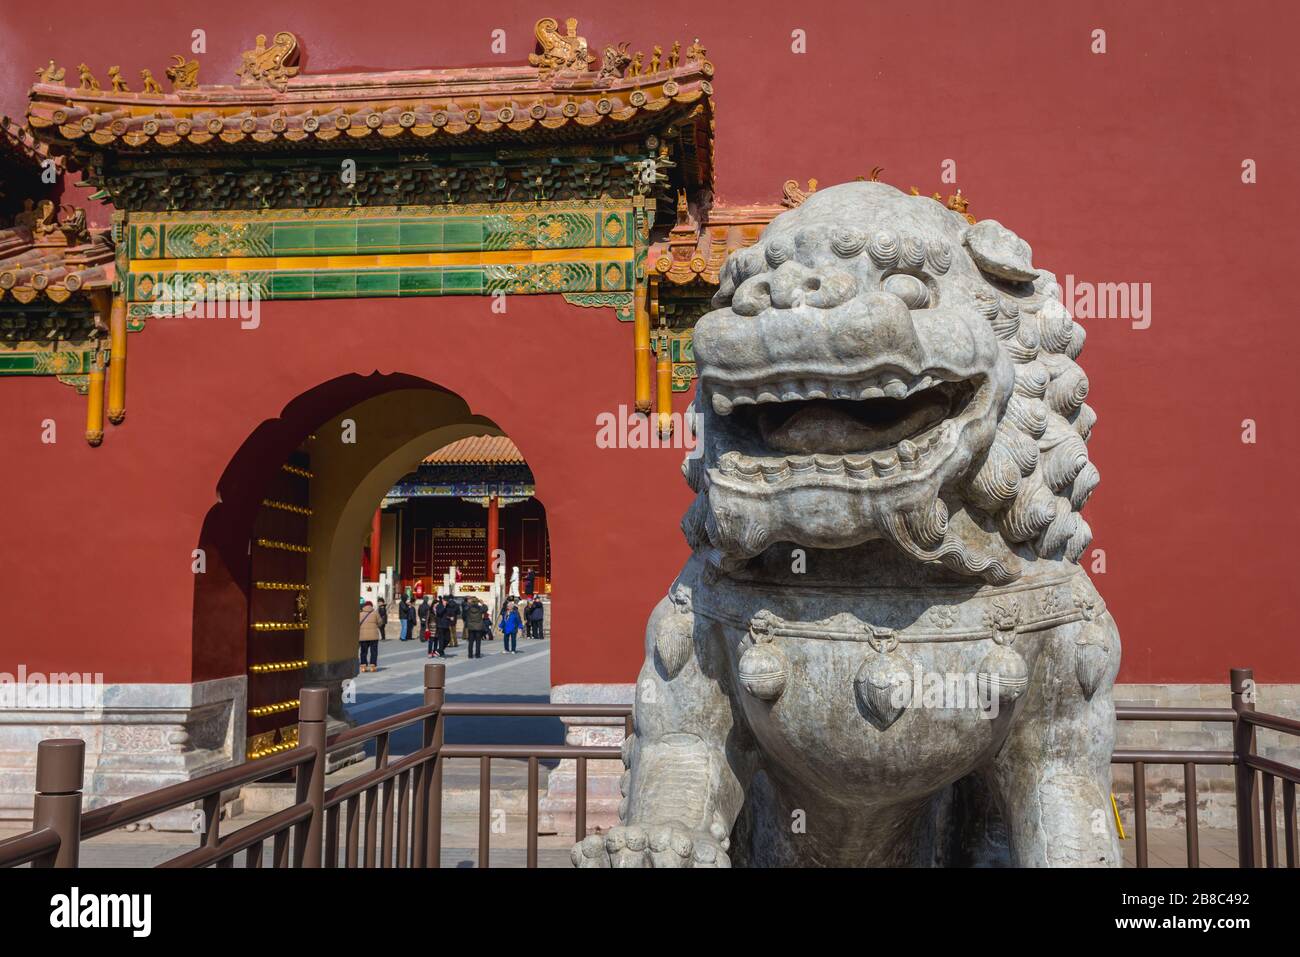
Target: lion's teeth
{"x": 742, "y": 398}
{"x": 907, "y": 452}
{"x": 895, "y": 389}
{"x": 841, "y": 392}
{"x": 728, "y": 462}
{"x": 775, "y": 469}
{"x": 884, "y": 464}
{"x": 859, "y": 466}
{"x": 721, "y": 404}
{"x": 799, "y": 463}
{"x": 871, "y": 392}
{"x": 817, "y": 390}
{"x": 830, "y": 464}
{"x": 747, "y": 466}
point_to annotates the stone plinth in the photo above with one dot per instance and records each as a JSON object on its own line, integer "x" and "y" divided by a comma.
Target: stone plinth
{"x": 139, "y": 737}
{"x": 557, "y": 806}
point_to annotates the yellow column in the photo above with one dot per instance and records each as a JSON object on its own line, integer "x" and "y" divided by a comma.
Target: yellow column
{"x": 95, "y": 401}
{"x": 641, "y": 330}
{"x": 117, "y": 364}
{"x": 664, "y": 380}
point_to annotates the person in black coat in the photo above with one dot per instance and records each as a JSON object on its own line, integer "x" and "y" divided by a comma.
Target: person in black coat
{"x": 476, "y": 618}
{"x": 536, "y": 614}
{"x": 423, "y": 611}
{"x": 442, "y": 619}
{"x": 413, "y": 621}
{"x": 403, "y": 622}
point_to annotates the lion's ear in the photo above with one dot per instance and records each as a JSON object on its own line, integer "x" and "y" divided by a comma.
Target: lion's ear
{"x": 999, "y": 252}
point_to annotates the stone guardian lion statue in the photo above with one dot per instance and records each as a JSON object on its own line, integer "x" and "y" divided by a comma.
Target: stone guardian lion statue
{"x": 883, "y": 650}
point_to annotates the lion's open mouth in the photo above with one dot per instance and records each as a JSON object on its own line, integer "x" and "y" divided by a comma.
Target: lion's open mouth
{"x": 890, "y": 419}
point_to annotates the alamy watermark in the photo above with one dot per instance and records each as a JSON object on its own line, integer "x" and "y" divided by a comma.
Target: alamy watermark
{"x": 627, "y": 429}
{"x": 1108, "y": 300}
{"x": 77, "y": 690}
{"x": 185, "y": 298}
{"x": 945, "y": 691}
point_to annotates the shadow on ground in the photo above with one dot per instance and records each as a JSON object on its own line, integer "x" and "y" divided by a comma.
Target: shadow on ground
{"x": 473, "y": 729}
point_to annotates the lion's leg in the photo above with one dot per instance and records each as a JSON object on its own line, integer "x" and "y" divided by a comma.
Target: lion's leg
{"x": 688, "y": 761}
{"x": 1052, "y": 777}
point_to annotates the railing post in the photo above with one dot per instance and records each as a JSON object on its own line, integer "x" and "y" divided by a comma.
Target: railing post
{"x": 435, "y": 695}
{"x": 1243, "y": 745}
{"x": 59, "y": 769}
{"x": 312, "y": 707}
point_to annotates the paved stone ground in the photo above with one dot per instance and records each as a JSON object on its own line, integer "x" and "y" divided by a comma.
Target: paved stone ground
{"x": 1168, "y": 848}
{"x": 460, "y": 843}
{"x": 524, "y": 678}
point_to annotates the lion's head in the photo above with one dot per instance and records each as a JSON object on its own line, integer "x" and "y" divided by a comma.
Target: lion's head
{"x": 878, "y": 368}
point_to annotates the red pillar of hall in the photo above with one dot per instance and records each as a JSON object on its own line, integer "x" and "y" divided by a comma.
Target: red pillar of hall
{"x": 493, "y": 531}
{"x": 374, "y": 547}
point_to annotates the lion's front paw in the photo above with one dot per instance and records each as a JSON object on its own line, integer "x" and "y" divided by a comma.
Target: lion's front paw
{"x": 659, "y": 845}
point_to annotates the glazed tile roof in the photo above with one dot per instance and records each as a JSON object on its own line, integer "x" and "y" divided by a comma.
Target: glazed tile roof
{"x": 19, "y": 150}
{"x": 694, "y": 251}
{"x": 358, "y": 110}
{"x": 51, "y": 265}
{"x": 477, "y": 450}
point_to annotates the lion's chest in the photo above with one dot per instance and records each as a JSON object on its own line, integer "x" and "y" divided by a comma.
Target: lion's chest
{"x": 889, "y": 696}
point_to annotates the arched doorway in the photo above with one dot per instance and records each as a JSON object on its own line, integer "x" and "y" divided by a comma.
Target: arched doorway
{"x": 293, "y": 509}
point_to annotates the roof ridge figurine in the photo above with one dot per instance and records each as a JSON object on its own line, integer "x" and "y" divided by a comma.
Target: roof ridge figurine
{"x": 561, "y": 52}
{"x": 270, "y": 66}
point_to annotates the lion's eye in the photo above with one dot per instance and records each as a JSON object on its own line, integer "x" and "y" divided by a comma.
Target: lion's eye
{"x": 910, "y": 289}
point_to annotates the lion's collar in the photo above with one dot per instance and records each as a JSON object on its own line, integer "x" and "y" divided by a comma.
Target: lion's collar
{"x": 910, "y": 614}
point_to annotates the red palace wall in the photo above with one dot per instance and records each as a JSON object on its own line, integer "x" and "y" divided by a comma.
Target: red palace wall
{"x": 1122, "y": 167}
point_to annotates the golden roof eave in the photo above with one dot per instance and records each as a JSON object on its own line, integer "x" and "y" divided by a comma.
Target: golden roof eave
{"x": 31, "y": 272}
{"x": 477, "y": 450}
{"x": 695, "y": 252}
{"x": 377, "y": 109}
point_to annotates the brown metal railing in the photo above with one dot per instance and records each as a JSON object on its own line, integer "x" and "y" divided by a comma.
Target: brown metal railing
{"x": 59, "y": 825}
{"x": 1250, "y": 771}
{"x": 391, "y": 816}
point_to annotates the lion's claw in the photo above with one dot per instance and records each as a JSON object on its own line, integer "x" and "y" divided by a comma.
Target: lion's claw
{"x": 661, "y": 846}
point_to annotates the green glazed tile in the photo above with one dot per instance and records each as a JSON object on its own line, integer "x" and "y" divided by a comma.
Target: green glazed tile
{"x": 378, "y": 283}
{"x": 335, "y": 237}
{"x": 416, "y": 235}
{"x": 378, "y": 236}
{"x": 460, "y": 280}
{"x": 335, "y": 284}
{"x": 462, "y": 233}
{"x": 291, "y": 285}
{"x": 420, "y": 282}
{"x": 290, "y": 238}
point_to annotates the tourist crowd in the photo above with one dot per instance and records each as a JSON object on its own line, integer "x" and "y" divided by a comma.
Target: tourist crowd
{"x": 435, "y": 621}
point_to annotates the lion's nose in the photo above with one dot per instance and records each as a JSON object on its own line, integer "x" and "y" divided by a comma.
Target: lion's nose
{"x": 794, "y": 284}
{"x": 885, "y": 326}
